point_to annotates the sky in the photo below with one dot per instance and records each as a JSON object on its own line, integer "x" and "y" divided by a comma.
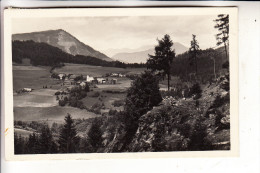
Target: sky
{"x": 132, "y": 32}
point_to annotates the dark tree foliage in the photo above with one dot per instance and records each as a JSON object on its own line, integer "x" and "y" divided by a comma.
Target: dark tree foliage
{"x": 222, "y": 24}
{"x": 33, "y": 144}
{"x": 197, "y": 137}
{"x": 162, "y": 60}
{"x": 193, "y": 52}
{"x": 47, "y": 55}
{"x": 181, "y": 64}
{"x": 46, "y": 141}
{"x": 78, "y": 78}
{"x": 141, "y": 97}
{"x": 195, "y": 90}
{"x": 68, "y": 139}
{"x": 95, "y": 135}
{"x": 19, "y": 144}
{"x": 38, "y": 53}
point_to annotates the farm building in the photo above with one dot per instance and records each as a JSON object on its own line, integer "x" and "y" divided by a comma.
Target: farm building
{"x": 83, "y": 84}
{"x": 61, "y": 76}
{"x": 101, "y": 80}
{"x": 114, "y": 74}
{"x": 27, "y": 90}
{"x": 113, "y": 81}
{"x": 121, "y": 75}
{"x": 89, "y": 78}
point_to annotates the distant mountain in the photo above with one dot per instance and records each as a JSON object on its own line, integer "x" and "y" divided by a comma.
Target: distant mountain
{"x": 112, "y": 52}
{"x": 63, "y": 40}
{"x": 141, "y": 56}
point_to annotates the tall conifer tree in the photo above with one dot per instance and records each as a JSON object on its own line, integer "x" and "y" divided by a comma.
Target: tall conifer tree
{"x": 68, "y": 139}
{"x": 162, "y": 60}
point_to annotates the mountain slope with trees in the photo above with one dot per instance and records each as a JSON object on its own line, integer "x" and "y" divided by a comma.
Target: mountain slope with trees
{"x": 47, "y": 55}
{"x": 63, "y": 40}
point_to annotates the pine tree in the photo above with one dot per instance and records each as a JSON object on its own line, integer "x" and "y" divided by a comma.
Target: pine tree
{"x": 68, "y": 139}
{"x": 222, "y": 24}
{"x": 193, "y": 51}
{"x": 95, "y": 135}
{"x": 33, "y": 144}
{"x": 141, "y": 97}
{"x": 46, "y": 142}
{"x": 162, "y": 60}
{"x": 18, "y": 144}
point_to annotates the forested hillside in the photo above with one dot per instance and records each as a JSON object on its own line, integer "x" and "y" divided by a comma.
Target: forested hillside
{"x": 44, "y": 54}
{"x": 183, "y": 67}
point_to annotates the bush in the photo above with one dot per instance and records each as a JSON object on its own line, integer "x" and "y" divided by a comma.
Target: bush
{"x": 219, "y": 101}
{"x": 112, "y": 112}
{"x": 83, "y": 94}
{"x": 96, "y": 108}
{"x": 118, "y": 103}
{"x": 62, "y": 102}
{"x": 195, "y": 90}
{"x": 78, "y": 78}
{"x": 57, "y": 93}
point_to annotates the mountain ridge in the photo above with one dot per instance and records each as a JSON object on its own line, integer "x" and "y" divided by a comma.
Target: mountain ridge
{"x": 142, "y": 56}
{"x": 63, "y": 40}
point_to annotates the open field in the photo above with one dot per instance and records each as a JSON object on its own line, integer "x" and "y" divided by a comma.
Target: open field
{"x": 96, "y": 71}
{"x": 22, "y": 132}
{"x": 55, "y": 113}
{"x": 38, "y": 98}
{"x": 32, "y": 77}
{"x": 41, "y": 104}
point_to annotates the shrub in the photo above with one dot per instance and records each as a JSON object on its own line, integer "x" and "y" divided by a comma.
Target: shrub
{"x": 96, "y": 108}
{"x": 83, "y": 94}
{"x": 219, "y": 101}
{"x": 57, "y": 93}
{"x": 195, "y": 90}
{"x": 62, "y": 102}
{"x": 118, "y": 103}
{"x": 112, "y": 112}
{"x": 78, "y": 78}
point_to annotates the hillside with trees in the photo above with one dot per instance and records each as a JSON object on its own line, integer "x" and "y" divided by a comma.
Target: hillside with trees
{"x": 47, "y": 55}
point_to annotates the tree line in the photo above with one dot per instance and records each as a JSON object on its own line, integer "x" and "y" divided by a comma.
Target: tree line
{"x": 47, "y": 55}
{"x": 45, "y": 141}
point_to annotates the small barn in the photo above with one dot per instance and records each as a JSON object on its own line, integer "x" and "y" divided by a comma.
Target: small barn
{"x": 113, "y": 81}
{"x": 101, "y": 80}
{"x": 27, "y": 89}
{"x": 61, "y": 76}
{"x": 83, "y": 84}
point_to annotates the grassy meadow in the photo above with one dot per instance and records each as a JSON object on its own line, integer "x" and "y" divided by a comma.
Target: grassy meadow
{"x": 42, "y": 105}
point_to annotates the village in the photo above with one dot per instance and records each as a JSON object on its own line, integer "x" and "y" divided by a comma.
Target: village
{"x": 68, "y": 81}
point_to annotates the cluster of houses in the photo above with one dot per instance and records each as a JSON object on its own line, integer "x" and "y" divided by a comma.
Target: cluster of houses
{"x": 117, "y": 75}
{"x": 82, "y": 80}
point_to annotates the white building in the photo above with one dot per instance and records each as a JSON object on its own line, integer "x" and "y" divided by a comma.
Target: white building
{"x": 61, "y": 76}
{"x": 27, "y": 89}
{"x": 89, "y": 78}
{"x": 101, "y": 80}
{"x": 83, "y": 84}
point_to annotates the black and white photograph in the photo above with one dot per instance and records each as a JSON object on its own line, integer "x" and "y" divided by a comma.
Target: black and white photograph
{"x": 122, "y": 83}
